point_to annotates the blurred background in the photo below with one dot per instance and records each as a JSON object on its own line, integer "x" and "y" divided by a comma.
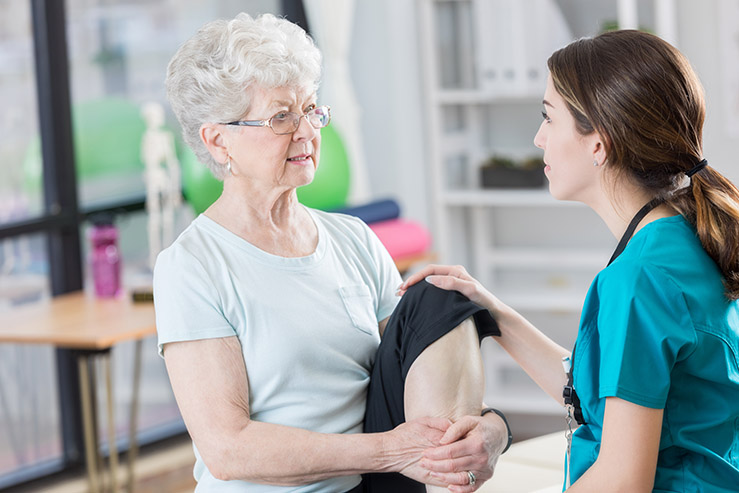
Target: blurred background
{"x": 435, "y": 105}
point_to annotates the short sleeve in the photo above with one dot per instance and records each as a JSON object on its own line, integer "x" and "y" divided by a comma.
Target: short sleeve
{"x": 644, "y": 327}
{"x": 388, "y": 277}
{"x": 186, "y": 301}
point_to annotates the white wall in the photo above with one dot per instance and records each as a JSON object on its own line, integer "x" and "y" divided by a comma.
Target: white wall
{"x": 699, "y": 40}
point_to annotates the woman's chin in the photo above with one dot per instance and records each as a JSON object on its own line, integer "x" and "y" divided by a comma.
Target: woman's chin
{"x": 304, "y": 179}
{"x": 556, "y": 193}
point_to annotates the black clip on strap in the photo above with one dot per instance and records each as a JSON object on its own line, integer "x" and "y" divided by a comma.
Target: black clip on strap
{"x": 569, "y": 394}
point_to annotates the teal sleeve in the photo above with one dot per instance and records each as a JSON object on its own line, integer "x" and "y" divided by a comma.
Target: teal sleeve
{"x": 644, "y": 327}
{"x": 187, "y": 304}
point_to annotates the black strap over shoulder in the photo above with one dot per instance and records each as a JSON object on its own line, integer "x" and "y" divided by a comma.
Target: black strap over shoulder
{"x": 632, "y": 226}
{"x": 568, "y": 392}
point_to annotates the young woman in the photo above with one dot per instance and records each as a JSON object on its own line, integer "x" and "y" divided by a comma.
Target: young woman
{"x": 654, "y": 377}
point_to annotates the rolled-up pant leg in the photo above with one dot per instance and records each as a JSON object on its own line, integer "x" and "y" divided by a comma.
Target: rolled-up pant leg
{"x": 424, "y": 314}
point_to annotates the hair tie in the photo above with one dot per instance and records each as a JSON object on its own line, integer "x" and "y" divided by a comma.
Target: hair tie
{"x": 701, "y": 164}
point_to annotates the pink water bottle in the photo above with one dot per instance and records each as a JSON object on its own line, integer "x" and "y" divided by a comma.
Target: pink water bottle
{"x": 105, "y": 258}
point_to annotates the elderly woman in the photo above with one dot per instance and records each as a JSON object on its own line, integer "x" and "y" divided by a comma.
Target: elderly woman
{"x": 274, "y": 320}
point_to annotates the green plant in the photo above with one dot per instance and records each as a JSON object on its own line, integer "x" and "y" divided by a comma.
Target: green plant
{"x": 499, "y": 162}
{"x": 612, "y": 25}
{"x": 533, "y": 162}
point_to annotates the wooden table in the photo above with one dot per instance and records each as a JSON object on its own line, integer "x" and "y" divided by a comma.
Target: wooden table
{"x": 91, "y": 327}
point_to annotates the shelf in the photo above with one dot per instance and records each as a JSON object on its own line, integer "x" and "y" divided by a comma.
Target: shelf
{"x": 508, "y": 388}
{"x": 510, "y": 399}
{"x": 455, "y": 143}
{"x": 478, "y": 97}
{"x": 503, "y": 197}
{"x": 483, "y": 84}
{"x": 536, "y": 258}
{"x": 548, "y": 302}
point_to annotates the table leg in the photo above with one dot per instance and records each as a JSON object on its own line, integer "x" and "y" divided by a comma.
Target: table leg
{"x": 90, "y": 445}
{"x": 133, "y": 424}
{"x": 112, "y": 444}
{"x": 93, "y": 365}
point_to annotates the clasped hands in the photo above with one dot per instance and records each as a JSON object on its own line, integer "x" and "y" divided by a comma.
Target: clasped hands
{"x": 443, "y": 452}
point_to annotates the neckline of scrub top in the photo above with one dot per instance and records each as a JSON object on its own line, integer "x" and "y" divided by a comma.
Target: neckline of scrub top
{"x": 677, "y": 218}
{"x": 294, "y": 263}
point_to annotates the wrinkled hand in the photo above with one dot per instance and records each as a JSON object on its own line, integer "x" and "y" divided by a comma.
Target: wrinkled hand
{"x": 453, "y": 278}
{"x": 406, "y": 443}
{"x": 473, "y": 443}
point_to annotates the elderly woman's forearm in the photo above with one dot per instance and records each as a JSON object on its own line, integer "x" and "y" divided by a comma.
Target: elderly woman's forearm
{"x": 281, "y": 455}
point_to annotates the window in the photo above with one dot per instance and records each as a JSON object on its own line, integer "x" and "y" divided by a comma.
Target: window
{"x": 93, "y": 63}
{"x": 30, "y": 431}
{"x": 20, "y": 184}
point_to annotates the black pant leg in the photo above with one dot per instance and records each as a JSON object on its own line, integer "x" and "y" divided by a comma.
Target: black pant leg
{"x": 424, "y": 314}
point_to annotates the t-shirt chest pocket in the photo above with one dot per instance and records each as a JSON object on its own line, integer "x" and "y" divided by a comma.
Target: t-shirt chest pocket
{"x": 358, "y": 304}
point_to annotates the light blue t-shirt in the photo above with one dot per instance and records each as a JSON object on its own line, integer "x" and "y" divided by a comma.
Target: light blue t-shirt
{"x": 657, "y": 330}
{"x": 308, "y": 326}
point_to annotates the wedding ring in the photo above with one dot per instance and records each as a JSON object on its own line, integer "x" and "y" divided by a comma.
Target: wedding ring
{"x": 472, "y": 478}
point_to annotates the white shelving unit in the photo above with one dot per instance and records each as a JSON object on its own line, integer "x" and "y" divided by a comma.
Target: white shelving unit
{"x": 485, "y": 73}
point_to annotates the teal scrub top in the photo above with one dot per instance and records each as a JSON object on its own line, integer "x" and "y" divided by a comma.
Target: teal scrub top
{"x": 656, "y": 330}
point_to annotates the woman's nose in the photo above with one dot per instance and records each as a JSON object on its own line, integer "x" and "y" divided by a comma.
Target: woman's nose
{"x": 305, "y": 130}
{"x": 539, "y": 137}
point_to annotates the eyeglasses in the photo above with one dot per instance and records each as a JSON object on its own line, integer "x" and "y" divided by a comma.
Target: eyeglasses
{"x": 286, "y": 122}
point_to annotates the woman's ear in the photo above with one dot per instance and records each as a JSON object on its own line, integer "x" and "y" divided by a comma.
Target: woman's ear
{"x": 212, "y": 136}
{"x": 599, "y": 149}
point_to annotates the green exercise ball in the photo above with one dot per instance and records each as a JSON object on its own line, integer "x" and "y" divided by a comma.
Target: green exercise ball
{"x": 199, "y": 186}
{"x": 107, "y": 137}
{"x": 330, "y": 187}
{"x": 107, "y": 142}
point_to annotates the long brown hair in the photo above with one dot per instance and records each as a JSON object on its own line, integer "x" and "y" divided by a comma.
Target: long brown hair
{"x": 641, "y": 94}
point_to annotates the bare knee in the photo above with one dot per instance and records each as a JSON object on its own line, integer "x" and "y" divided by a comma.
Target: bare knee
{"x": 447, "y": 380}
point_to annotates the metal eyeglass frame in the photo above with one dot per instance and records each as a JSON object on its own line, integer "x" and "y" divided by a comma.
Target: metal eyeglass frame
{"x": 268, "y": 122}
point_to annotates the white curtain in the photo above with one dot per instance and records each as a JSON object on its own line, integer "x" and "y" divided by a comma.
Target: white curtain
{"x": 330, "y": 23}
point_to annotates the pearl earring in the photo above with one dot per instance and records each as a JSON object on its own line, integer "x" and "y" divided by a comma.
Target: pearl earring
{"x": 595, "y": 162}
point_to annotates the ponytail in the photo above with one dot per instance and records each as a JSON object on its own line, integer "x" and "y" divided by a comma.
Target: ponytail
{"x": 711, "y": 205}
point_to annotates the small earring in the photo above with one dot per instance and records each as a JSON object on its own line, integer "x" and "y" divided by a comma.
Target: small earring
{"x": 228, "y": 166}
{"x": 595, "y": 162}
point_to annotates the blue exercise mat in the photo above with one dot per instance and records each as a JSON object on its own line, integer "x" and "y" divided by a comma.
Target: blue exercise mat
{"x": 380, "y": 210}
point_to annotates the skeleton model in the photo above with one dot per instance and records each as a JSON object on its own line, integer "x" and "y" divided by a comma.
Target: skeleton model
{"x": 162, "y": 177}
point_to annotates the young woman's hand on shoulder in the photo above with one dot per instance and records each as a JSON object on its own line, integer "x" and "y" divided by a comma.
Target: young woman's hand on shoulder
{"x": 454, "y": 278}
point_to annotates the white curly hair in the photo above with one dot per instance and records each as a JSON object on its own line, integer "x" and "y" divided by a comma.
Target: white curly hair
{"x": 209, "y": 78}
